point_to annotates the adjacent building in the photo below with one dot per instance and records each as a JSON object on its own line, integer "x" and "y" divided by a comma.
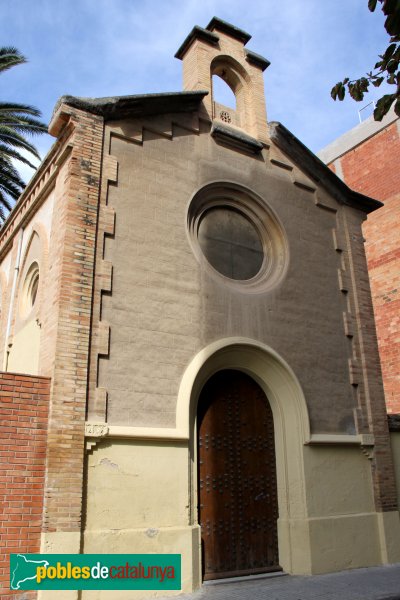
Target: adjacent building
{"x": 366, "y": 159}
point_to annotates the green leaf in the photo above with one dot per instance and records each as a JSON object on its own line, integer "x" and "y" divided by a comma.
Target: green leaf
{"x": 341, "y": 92}
{"x": 355, "y": 91}
{"x": 372, "y": 5}
{"x": 334, "y": 91}
{"x": 392, "y": 23}
{"x": 390, "y": 51}
{"x": 389, "y": 6}
{"x": 383, "y": 105}
{"x": 377, "y": 82}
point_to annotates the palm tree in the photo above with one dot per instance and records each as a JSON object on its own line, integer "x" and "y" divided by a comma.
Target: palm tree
{"x": 16, "y": 122}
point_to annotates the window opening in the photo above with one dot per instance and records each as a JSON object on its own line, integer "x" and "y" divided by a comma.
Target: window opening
{"x": 222, "y": 93}
{"x": 30, "y": 289}
{"x": 231, "y": 243}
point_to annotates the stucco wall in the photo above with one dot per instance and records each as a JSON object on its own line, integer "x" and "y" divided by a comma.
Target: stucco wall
{"x": 141, "y": 495}
{"x": 138, "y": 501}
{"x": 395, "y": 443}
{"x": 165, "y": 306}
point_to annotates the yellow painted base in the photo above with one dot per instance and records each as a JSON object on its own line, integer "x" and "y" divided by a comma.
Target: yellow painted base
{"x": 389, "y": 536}
{"x": 141, "y": 497}
{"x": 60, "y": 542}
{"x": 172, "y": 540}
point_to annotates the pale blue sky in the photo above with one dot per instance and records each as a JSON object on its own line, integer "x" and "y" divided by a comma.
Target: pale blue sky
{"x": 115, "y": 47}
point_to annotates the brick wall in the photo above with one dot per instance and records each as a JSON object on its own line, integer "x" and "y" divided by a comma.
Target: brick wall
{"x": 75, "y": 225}
{"x": 369, "y": 390}
{"x": 372, "y": 168}
{"x": 74, "y": 171}
{"x": 199, "y": 65}
{"x": 24, "y": 403}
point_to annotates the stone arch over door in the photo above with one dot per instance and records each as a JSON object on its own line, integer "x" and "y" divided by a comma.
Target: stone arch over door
{"x": 291, "y": 424}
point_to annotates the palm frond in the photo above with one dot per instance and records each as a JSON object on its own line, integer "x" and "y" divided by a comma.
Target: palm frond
{"x": 10, "y": 182}
{"x": 9, "y": 136}
{"x": 26, "y": 125}
{"x": 16, "y": 122}
{"x": 10, "y": 57}
{"x": 4, "y": 204}
{"x": 19, "y": 108}
{"x": 7, "y": 168}
{"x": 8, "y": 153}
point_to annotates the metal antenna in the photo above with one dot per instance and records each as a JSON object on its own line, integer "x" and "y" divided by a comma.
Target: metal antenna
{"x": 364, "y": 107}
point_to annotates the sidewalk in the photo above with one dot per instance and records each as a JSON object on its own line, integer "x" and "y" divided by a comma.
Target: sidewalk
{"x": 374, "y": 583}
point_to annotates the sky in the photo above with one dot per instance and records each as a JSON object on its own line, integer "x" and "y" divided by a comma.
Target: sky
{"x": 96, "y": 48}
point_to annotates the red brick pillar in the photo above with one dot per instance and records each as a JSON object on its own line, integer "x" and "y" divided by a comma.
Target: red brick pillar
{"x": 76, "y": 211}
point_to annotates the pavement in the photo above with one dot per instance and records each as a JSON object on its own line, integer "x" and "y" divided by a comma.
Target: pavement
{"x": 373, "y": 583}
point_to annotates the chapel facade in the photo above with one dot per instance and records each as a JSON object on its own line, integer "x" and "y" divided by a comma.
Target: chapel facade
{"x": 186, "y": 312}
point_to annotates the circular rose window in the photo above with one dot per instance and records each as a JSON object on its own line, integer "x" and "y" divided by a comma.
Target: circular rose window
{"x": 237, "y": 238}
{"x": 230, "y": 242}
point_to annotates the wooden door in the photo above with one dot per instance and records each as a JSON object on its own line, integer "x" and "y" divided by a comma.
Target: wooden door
{"x": 238, "y": 506}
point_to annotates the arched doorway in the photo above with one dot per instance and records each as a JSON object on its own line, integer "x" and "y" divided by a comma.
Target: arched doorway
{"x": 238, "y": 505}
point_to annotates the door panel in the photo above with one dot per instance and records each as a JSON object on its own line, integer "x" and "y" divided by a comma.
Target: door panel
{"x": 238, "y": 506}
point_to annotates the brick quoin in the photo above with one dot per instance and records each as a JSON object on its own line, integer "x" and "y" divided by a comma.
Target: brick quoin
{"x": 372, "y": 168}
{"x": 43, "y": 443}
{"x": 24, "y": 406}
{"x": 77, "y": 220}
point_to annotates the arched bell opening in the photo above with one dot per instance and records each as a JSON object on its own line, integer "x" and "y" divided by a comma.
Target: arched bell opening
{"x": 237, "y": 80}
{"x": 222, "y": 93}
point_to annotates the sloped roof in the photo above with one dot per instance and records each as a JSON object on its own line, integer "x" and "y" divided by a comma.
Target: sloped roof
{"x": 318, "y": 171}
{"x": 120, "y": 107}
{"x": 217, "y": 24}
